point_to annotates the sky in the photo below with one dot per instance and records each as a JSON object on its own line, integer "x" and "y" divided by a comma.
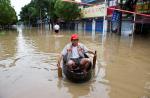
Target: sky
{"x": 78, "y": 0}
{"x": 18, "y": 4}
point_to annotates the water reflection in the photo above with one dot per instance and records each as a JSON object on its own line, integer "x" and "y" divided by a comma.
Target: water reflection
{"x": 86, "y": 90}
{"x": 21, "y": 44}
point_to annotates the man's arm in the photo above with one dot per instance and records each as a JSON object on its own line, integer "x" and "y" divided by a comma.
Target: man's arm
{"x": 91, "y": 52}
{"x": 86, "y": 50}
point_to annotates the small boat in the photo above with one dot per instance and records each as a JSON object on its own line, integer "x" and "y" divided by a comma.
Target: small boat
{"x": 77, "y": 75}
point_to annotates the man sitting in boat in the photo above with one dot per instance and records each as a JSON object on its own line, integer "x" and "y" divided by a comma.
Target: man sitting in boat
{"x": 74, "y": 54}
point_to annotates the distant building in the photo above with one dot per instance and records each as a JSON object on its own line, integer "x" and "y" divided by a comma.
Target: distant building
{"x": 142, "y": 22}
{"x": 92, "y": 19}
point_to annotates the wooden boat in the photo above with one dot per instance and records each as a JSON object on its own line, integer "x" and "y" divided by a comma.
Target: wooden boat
{"x": 77, "y": 75}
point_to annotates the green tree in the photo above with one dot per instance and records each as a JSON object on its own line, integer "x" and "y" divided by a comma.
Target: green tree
{"x": 43, "y": 8}
{"x": 51, "y": 10}
{"x": 5, "y": 2}
{"x": 67, "y": 11}
{"x": 7, "y": 13}
{"x": 34, "y": 11}
{"x": 28, "y": 14}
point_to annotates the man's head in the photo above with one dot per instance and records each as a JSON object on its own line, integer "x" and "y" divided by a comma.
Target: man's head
{"x": 74, "y": 39}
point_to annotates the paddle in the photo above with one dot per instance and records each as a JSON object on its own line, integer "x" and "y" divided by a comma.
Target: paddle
{"x": 94, "y": 59}
{"x": 59, "y": 71}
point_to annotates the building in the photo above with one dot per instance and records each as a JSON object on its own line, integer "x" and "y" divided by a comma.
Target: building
{"x": 142, "y": 21}
{"x": 93, "y": 16}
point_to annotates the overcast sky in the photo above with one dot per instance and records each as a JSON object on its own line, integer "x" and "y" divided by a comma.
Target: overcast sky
{"x": 17, "y": 4}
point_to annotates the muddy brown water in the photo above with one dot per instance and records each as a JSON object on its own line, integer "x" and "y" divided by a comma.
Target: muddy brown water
{"x": 28, "y": 59}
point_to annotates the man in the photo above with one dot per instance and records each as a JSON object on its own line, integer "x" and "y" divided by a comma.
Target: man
{"x": 74, "y": 53}
{"x": 56, "y": 28}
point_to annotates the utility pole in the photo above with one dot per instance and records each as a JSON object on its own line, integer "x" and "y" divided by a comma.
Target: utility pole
{"x": 104, "y": 18}
{"x": 120, "y": 22}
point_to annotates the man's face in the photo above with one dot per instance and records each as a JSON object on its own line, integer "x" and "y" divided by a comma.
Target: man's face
{"x": 75, "y": 42}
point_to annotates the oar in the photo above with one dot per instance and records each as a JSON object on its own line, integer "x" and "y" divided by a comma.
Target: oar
{"x": 59, "y": 71}
{"x": 94, "y": 59}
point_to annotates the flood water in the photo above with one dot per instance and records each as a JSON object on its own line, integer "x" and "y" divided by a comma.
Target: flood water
{"x": 28, "y": 59}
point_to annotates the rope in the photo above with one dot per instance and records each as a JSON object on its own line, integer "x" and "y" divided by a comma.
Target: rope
{"x": 146, "y": 15}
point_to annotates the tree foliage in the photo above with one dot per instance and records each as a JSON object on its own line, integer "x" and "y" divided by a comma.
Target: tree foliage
{"x": 52, "y": 11}
{"x": 28, "y": 13}
{"x": 49, "y": 9}
{"x": 7, "y": 13}
{"x": 34, "y": 11}
{"x": 67, "y": 11}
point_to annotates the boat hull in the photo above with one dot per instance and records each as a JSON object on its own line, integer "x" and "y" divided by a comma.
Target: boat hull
{"x": 78, "y": 76}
